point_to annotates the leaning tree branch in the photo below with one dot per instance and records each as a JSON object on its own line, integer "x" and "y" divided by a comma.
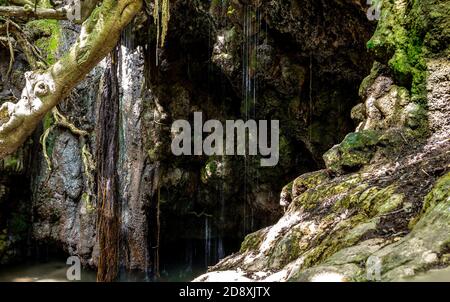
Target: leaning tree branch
{"x": 38, "y": 13}
{"x": 45, "y": 89}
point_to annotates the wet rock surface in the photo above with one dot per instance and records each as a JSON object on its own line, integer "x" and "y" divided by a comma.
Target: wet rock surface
{"x": 380, "y": 210}
{"x": 380, "y": 191}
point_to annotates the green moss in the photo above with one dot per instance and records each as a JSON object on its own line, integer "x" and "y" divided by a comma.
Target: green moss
{"x": 407, "y": 34}
{"x": 50, "y": 144}
{"x": 440, "y": 191}
{"x": 289, "y": 186}
{"x": 289, "y": 248}
{"x": 369, "y": 80}
{"x": 231, "y": 10}
{"x": 315, "y": 197}
{"x": 345, "y": 234}
{"x": 47, "y": 122}
{"x": 12, "y": 163}
{"x": 211, "y": 167}
{"x": 252, "y": 241}
{"x": 49, "y": 42}
{"x": 308, "y": 181}
{"x": 409, "y": 66}
{"x": 356, "y": 150}
{"x": 371, "y": 201}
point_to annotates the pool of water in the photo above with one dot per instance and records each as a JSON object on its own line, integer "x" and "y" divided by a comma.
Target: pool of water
{"x": 49, "y": 271}
{"x": 56, "y": 270}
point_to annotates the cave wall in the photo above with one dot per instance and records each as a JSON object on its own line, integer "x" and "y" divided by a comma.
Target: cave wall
{"x": 380, "y": 209}
{"x": 297, "y": 61}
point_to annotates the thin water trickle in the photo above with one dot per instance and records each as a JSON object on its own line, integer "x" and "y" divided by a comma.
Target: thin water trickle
{"x": 220, "y": 249}
{"x": 207, "y": 241}
{"x": 251, "y": 36}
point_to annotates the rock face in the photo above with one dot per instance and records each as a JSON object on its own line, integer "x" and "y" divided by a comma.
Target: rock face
{"x": 15, "y": 203}
{"x": 239, "y": 60}
{"x": 250, "y": 60}
{"x": 364, "y": 200}
{"x": 380, "y": 211}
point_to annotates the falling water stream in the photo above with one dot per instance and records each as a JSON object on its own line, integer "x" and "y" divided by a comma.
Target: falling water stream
{"x": 251, "y": 28}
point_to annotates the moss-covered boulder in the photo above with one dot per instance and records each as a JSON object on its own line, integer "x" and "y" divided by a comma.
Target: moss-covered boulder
{"x": 356, "y": 150}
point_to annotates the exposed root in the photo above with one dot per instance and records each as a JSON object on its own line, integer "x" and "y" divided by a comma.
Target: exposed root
{"x": 158, "y": 235}
{"x": 43, "y": 141}
{"x": 31, "y": 52}
{"x": 108, "y": 206}
{"x": 11, "y": 51}
{"x": 89, "y": 166}
{"x": 61, "y": 121}
{"x": 99, "y": 35}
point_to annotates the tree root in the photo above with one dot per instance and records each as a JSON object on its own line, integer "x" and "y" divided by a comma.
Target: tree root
{"x": 89, "y": 168}
{"x": 31, "y": 52}
{"x": 88, "y": 160}
{"x": 11, "y": 51}
{"x": 43, "y": 141}
{"x": 61, "y": 121}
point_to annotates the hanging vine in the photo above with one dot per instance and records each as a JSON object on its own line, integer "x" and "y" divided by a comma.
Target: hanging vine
{"x": 161, "y": 16}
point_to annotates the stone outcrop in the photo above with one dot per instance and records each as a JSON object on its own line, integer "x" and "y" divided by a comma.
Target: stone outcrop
{"x": 380, "y": 211}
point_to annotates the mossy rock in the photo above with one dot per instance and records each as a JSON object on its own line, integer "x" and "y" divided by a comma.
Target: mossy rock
{"x": 308, "y": 181}
{"x": 408, "y": 33}
{"x": 370, "y": 79}
{"x": 253, "y": 241}
{"x": 440, "y": 192}
{"x": 356, "y": 150}
{"x": 312, "y": 198}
